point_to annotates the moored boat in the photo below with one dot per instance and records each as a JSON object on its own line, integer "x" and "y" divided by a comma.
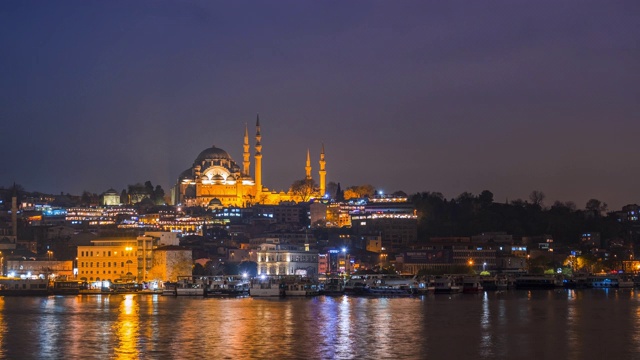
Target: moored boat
{"x": 65, "y": 287}
{"x": 266, "y": 286}
{"x": 301, "y": 289}
{"x": 24, "y": 287}
{"x": 472, "y": 285}
{"x": 538, "y": 282}
{"x": 227, "y": 285}
{"x": 447, "y": 285}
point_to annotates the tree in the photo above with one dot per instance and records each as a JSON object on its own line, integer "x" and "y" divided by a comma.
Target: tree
{"x": 148, "y": 187}
{"x": 537, "y": 197}
{"x": 158, "y": 195}
{"x": 303, "y": 188}
{"x": 359, "y": 191}
{"x": 485, "y": 198}
{"x": 339, "y": 194}
{"x": 86, "y": 198}
{"x": 332, "y": 187}
{"x": 124, "y": 198}
{"x": 596, "y": 207}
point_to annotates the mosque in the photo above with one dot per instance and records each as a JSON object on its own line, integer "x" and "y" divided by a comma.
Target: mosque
{"x": 215, "y": 180}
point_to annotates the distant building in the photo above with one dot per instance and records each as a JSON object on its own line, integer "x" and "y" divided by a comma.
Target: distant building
{"x": 591, "y": 239}
{"x": 215, "y": 179}
{"x": 111, "y": 198}
{"x": 393, "y": 218}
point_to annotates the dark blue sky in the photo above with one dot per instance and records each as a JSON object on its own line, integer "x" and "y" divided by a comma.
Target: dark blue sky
{"x": 509, "y": 96}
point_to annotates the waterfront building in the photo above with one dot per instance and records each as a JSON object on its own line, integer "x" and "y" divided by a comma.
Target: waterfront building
{"x": 286, "y": 259}
{"x": 39, "y": 268}
{"x": 216, "y": 180}
{"x": 169, "y": 262}
{"x": 123, "y": 259}
{"x": 108, "y": 259}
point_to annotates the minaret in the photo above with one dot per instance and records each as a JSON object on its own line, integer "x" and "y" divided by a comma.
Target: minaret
{"x": 258, "y": 157}
{"x": 307, "y": 168}
{"x": 246, "y": 154}
{"x": 323, "y": 173}
{"x": 14, "y": 214}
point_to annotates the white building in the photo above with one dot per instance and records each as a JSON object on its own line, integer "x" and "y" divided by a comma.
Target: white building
{"x": 286, "y": 259}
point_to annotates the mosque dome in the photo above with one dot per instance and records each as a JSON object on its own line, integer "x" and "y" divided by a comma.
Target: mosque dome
{"x": 212, "y": 153}
{"x": 215, "y": 201}
{"x": 185, "y": 175}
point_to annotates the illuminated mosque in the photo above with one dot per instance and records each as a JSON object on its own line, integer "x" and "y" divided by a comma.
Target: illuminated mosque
{"x": 215, "y": 180}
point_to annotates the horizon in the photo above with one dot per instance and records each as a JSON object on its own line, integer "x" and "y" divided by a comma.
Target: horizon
{"x": 506, "y": 97}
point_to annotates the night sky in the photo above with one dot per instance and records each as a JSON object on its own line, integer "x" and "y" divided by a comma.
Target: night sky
{"x": 444, "y": 96}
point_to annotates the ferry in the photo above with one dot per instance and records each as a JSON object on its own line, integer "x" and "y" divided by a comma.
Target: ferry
{"x": 65, "y": 287}
{"x": 538, "y": 282}
{"x": 387, "y": 290}
{"x": 447, "y": 285}
{"x": 610, "y": 281}
{"x": 301, "y": 289}
{"x": 227, "y": 285}
{"x": 426, "y": 286}
{"x": 332, "y": 286}
{"x": 185, "y": 286}
{"x": 24, "y": 287}
{"x": 266, "y": 286}
{"x": 472, "y": 285}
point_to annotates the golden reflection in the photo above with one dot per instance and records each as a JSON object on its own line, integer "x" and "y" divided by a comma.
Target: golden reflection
{"x": 636, "y": 331}
{"x": 126, "y": 328}
{"x": 3, "y": 328}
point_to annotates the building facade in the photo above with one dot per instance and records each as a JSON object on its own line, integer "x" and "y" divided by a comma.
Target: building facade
{"x": 108, "y": 259}
{"x": 285, "y": 259}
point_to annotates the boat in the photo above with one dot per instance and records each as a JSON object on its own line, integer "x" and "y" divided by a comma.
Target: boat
{"x": 185, "y": 286}
{"x": 472, "y": 285}
{"x": 426, "y": 286}
{"x": 332, "y": 286}
{"x": 447, "y": 285}
{"x": 538, "y": 282}
{"x": 577, "y": 281}
{"x": 301, "y": 289}
{"x": 24, "y": 287}
{"x": 65, "y": 287}
{"x": 502, "y": 283}
{"x": 387, "y": 290}
{"x": 610, "y": 281}
{"x": 625, "y": 281}
{"x": 227, "y": 285}
{"x": 266, "y": 286}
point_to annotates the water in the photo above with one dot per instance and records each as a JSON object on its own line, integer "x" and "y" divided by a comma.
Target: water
{"x": 560, "y": 324}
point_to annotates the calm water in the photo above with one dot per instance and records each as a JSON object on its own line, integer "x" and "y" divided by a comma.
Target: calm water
{"x": 561, "y": 324}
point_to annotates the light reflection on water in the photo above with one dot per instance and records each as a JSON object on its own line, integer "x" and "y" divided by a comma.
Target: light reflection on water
{"x": 572, "y": 324}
